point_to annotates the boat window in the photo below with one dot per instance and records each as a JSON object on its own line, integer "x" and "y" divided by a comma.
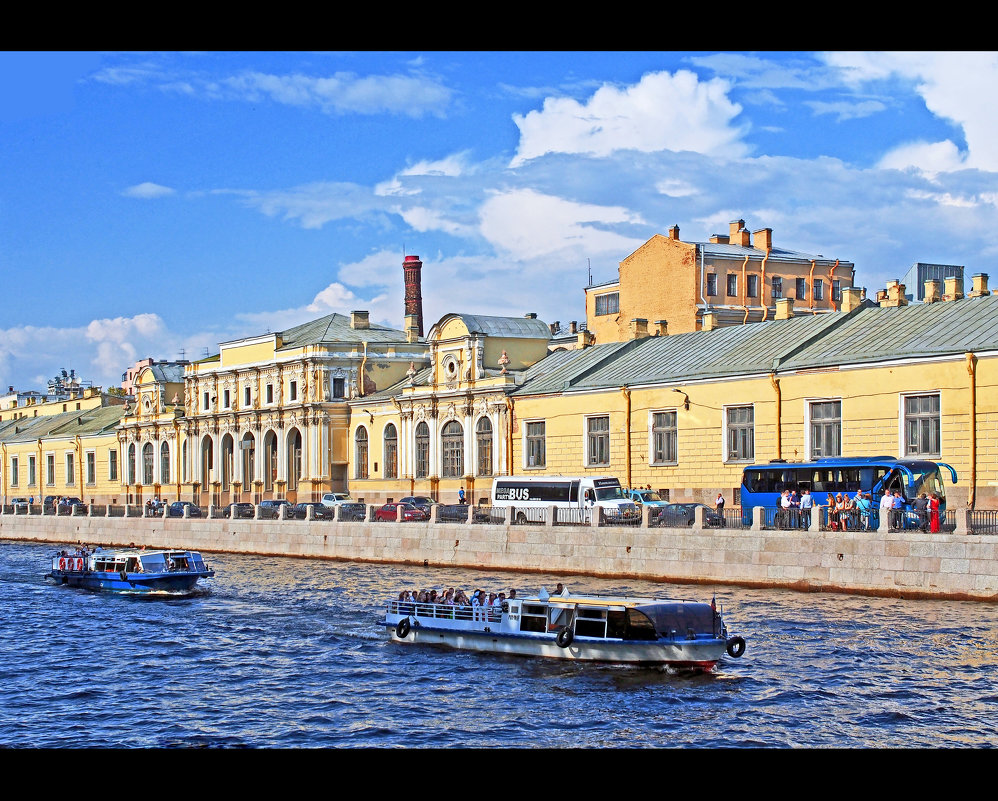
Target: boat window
{"x": 591, "y": 623}
{"x": 639, "y": 626}
{"x": 533, "y": 617}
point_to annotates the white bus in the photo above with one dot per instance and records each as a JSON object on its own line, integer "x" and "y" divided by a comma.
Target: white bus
{"x": 577, "y": 495}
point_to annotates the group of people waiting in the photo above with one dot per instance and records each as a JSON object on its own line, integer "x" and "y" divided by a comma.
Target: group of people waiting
{"x": 855, "y": 512}
{"x": 483, "y": 605}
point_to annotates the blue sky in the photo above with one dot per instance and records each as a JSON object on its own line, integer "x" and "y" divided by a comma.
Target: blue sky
{"x": 158, "y": 202}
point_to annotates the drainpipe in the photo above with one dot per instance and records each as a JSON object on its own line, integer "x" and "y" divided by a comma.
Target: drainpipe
{"x": 765, "y": 306}
{"x": 79, "y": 464}
{"x": 3, "y": 471}
{"x": 810, "y": 282}
{"x": 744, "y": 290}
{"x": 703, "y": 279}
{"x": 627, "y": 434}
{"x": 176, "y": 457}
{"x": 509, "y": 436}
{"x": 360, "y": 376}
{"x": 831, "y": 293}
{"x": 972, "y": 372}
{"x": 779, "y": 409}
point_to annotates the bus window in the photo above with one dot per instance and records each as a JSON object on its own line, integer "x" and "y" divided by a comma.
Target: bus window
{"x": 851, "y": 479}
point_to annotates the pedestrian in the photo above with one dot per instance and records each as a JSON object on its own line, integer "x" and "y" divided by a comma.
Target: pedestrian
{"x": 897, "y": 510}
{"x": 460, "y": 496}
{"x": 719, "y": 503}
{"x": 920, "y": 506}
{"x": 806, "y": 504}
{"x": 934, "y": 513}
{"x": 886, "y": 502}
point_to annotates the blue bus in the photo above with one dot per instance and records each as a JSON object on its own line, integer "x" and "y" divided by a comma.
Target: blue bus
{"x": 762, "y": 484}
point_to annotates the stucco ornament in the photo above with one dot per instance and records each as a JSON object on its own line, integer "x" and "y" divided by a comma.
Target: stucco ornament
{"x": 503, "y": 361}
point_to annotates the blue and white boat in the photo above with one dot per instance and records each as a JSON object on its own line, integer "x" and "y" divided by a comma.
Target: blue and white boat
{"x": 683, "y": 635}
{"x": 130, "y": 571}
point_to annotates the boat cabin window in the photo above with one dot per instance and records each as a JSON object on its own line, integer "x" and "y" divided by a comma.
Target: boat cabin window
{"x": 533, "y": 617}
{"x": 591, "y": 622}
{"x": 630, "y": 625}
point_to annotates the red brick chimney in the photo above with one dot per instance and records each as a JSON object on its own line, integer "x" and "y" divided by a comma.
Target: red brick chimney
{"x": 411, "y": 268}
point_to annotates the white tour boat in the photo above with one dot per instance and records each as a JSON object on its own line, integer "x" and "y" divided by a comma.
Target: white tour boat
{"x": 684, "y": 635}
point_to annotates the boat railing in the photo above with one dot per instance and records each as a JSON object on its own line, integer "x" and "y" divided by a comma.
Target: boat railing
{"x": 482, "y": 614}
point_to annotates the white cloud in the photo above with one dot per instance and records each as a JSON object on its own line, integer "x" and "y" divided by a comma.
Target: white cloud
{"x": 661, "y": 112}
{"x": 930, "y": 158}
{"x": 846, "y": 110}
{"x": 313, "y": 205}
{"x": 958, "y": 87}
{"x": 147, "y": 190}
{"x": 673, "y": 187}
{"x": 528, "y": 225}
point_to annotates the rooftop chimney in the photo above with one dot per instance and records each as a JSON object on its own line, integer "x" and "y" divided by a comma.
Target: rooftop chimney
{"x": 980, "y": 284}
{"x": 585, "y": 339}
{"x": 762, "y": 239}
{"x": 734, "y": 227}
{"x": 639, "y": 328}
{"x": 411, "y": 328}
{"x": 531, "y": 315}
{"x": 954, "y": 288}
{"x": 852, "y": 298}
{"x": 661, "y": 328}
{"x": 709, "y": 321}
{"x": 933, "y": 290}
{"x": 573, "y": 327}
{"x": 674, "y": 232}
{"x": 718, "y": 239}
{"x": 411, "y": 271}
{"x": 360, "y": 319}
{"x": 784, "y": 308}
{"x": 894, "y": 295}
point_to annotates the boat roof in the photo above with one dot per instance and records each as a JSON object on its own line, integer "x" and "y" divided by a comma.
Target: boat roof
{"x": 569, "y": 599}
{"x": 115, "y": 552}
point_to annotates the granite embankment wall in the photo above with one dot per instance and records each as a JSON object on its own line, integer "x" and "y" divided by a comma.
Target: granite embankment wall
{"x": 903, "y": 564}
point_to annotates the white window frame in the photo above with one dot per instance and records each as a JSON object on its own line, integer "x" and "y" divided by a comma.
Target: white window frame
{"x": 524, "y": 449}
{"x": 725, "y": 457}
{"x": 603, "y": 300}
{"x": 49, "y": 476}
{"x": 586, "y": 455}
{"x": 651, "y": 438}
{"x": 113, "y": 462}
{"x": 91, "y": 476}
{"x": 903, "y": 426}
{"x": 808, "y": 443}
{"x": 14, "y": 471}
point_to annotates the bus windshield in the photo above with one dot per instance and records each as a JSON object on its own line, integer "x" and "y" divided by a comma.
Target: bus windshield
{"x": 609, "y": 493}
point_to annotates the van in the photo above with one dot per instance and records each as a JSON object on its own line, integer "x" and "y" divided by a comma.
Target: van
{"x": 577, "y": 495}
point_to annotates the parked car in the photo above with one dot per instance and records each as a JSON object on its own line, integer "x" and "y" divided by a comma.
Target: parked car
{"x": 19, "y": 503}
{"x": 335, "y": 498}
{"x": 451, "y": 513}
{"x": 646, "y": 497}
{"x": 67, "y": 505}
{"x": 352, "y": 511}
{"x": 409, "y": 512}
{"x": 418, "y": 500}
{"x": 49, "y": 502}
{"x": 235, "y": 511}
{"x": 177, "y": 509}
{"x": 272, "y": 509}
{"x": 322, "y": 512}
{"x": 682, "y": 514}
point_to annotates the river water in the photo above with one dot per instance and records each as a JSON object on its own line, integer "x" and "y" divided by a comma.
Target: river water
{"x": 283, "y": 653}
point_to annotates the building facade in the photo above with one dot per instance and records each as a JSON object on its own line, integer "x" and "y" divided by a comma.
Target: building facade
{"x": 667, "y": 285}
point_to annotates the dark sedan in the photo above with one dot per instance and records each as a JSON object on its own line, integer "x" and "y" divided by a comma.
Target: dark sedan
{"x": 234, "y": 511}
{"x": 271, "y": 510}
{"x": 352, "y": 511}
{"x": 300, "y": 511}
{"x": 683, "y": 514}
{"x": 177, "y": 509}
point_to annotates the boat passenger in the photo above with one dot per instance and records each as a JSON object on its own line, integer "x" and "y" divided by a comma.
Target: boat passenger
{"x": 512, "y": 594}
{"x": 560, "y": 589}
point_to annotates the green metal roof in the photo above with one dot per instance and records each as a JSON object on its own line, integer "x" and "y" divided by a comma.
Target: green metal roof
{"x": 336, "y": 328}
{"x": 84, "y": 423}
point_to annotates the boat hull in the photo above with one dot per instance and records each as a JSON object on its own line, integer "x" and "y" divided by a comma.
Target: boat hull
{"x": 133, "y": 583}
{"x": 701, "y": 654}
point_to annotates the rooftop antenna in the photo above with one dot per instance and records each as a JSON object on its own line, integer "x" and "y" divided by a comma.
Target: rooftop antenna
{"x": 206, "y": 353}
{"x": 183, "y": 354}
{"x": 589, "y": 262}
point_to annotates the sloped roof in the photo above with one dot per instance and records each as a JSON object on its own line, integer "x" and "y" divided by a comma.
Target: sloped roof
{"x": 729, "y": 251}
{"x": 507, "y": 327}
{"x": 86, "y": 422}
{"x": 336, "y": 328}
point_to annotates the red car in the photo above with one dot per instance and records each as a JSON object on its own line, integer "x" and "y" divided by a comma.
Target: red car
{"x": 409, "y": 512}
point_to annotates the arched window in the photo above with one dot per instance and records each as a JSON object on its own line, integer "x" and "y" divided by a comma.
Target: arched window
{"x": 391, "y": 451}
{"x": 184, "y": 462}
{"x": 294, "y": 458}
{"x": 269, "y": 460}
{"x": 360, "y": 438}
{"x": 147, "y": 462}
{"x": 207, "y": 460}
{"x": 483, "y": 441}
{"x": 249, "y": 461}
{"x": 164, "y": 463}
{"x": 452, "y": 450}
{"x": 227, "y": 451}
{"x": 422, "y": 450}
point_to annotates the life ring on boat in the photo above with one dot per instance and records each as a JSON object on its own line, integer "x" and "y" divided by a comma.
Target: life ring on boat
{"x": 62, "y": 564}
{"x": 124, "y": 575}
{"x": 402, "y": 629}
{"x": 565, "y": 637}
{"x": 735, "y": 647}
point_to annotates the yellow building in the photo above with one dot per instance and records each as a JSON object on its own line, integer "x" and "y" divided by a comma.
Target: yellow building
{"x": 667, "y": 285}
{"x": 686, "y": 413}
{"x": 447, "y": 426}
{"x": 67, "y": 447}
{"x": 267, "y": 417}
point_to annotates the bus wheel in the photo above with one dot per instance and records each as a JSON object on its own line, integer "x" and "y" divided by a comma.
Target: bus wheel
{"x": 521, "y": 518}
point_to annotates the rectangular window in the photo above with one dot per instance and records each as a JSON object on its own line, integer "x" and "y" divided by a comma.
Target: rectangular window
{"x": 608, "y": 303}
{"x": 91, "y": 468}
{"x": 270, "y": 393}
{"x": 711, "y": 284}
{"x": 226, "y": 399}
{"x": 836, "y": 290}
{"x": 801, "y": 289}
{"x": 740, "y": 424}
{"x": 598, "y": 440}
{"x": 31, "y": 471}
{"x": 732, "y": 285}
{"x": 819, "y": 289}
{"x": 922, "y": 425}
{"x": 294, "y": 390}
{"x": 13, "y": 471}
{"x": 50, "y": 469}
{"x": 536, "y": 451}
{"x": 339, "y": 387}
{"x": 777, "y": 287}
{"x": 752, "y": 287}
{"x": 663, "y": 434}
{"x": 247, "y": 397}
{"x": 112, "y": 465}
{"x": 70, "y": 469}
{"x": 206, "y": 401}
{"x": 826, "y": 429}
